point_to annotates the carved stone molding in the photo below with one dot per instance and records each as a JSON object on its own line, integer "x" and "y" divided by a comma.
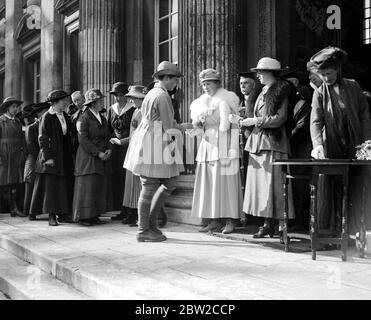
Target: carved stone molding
{"x": 67, "y": 7}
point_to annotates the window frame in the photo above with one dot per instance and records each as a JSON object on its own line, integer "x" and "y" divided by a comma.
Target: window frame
{"x": 36, "y": 80}
{"x": 366, "y": 30}
{"x": 169, "y": 39}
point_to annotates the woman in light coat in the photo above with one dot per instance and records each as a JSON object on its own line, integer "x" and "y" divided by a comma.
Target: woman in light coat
{"x": 217, "y": 193}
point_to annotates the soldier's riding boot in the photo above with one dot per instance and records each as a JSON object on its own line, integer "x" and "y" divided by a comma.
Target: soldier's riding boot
{"x": 15, "y": 212}
{"x": 145, "y": 234}
{"x": 159, "y": 200}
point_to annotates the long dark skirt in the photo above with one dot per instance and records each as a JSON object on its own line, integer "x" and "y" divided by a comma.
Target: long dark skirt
{"x": 89, "y": 200}
{"x": 51, "y": 194}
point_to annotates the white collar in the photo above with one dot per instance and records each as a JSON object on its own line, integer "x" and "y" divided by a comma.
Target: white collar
{"x": 127, "y": 107}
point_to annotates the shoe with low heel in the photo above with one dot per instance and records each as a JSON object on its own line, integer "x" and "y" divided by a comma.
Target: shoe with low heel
{"x": 264, "y": 231}
{"x": 213, "y": 226}
{"x": 150, "y": 236}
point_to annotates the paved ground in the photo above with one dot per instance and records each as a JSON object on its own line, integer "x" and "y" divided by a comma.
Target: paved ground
{"x": 191, "y": 265}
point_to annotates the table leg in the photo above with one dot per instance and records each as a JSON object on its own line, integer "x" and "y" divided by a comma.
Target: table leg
{"x": 286, "y": 213}
{"x": 313, "y": 220}
{"x": 362, "y": 234}
{"x": 344, "y": 235}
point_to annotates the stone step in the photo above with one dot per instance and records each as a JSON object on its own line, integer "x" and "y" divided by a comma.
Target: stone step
{"x": 182, "y": 216}
{"x": 94, "y": 276}
{"x": 21, "y": 281}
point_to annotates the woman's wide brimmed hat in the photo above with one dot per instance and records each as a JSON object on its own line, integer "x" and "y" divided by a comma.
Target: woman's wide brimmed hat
{"x": 27, "y": 111}
{"x": 167, "y": 68}
{"x": 56, "y": 95}
{"x": 137, "y": 92}
{"x": 93, "y": 95}
{"x": 210, "y": 75}
{"x": 268, "y": 64}
{"x": 8, "y": 102}
{"x": 330, "y": 57}
{"x": 119, "y": 87}
{"x": 38, "y": 107}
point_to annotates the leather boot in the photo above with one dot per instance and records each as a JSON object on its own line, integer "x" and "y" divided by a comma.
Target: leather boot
{"x": 229, "y": 227}
{"x": 53, "y": 220}
{"x": 15, "y": 211}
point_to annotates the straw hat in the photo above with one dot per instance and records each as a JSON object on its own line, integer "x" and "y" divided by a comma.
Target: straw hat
{"x": 268, "y": 64}
{"x": 137, "y": 92}
{"x": 167, "y": 68}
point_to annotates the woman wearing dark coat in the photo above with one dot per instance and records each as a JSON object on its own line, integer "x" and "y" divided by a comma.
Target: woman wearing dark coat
{"x": 340, "y": 121}
{"x": 11, "y": 153}
{"x": 32, "y": 151}
{"x": 93, "y": 165}
{"x": 54, "y": 166}
{"x": 119, "y": 119}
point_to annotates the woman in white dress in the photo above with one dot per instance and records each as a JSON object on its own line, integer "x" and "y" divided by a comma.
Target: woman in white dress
{"x": 217, "y": 192}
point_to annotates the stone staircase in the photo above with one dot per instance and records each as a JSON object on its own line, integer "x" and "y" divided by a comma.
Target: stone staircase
{"x": 35, "y": 264}
{"x": 179, "y": 205}
{"x": 34, "y": 267}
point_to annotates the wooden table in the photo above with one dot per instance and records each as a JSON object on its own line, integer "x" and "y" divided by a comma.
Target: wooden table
{"x": 323, "y": 167}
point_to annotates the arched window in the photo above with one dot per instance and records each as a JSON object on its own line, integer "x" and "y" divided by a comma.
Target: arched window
{"x": 367, "y": 22}
{"x": 166, "y": 31}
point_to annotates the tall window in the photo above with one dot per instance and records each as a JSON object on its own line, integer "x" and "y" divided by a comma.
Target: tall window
{"x": 367, "y": 23}
{"x": 166, "y": 36}
{"x": 37, "y": 82}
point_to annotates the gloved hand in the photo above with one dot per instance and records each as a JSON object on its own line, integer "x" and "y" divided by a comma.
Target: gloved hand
{"x": 318, "y": 153}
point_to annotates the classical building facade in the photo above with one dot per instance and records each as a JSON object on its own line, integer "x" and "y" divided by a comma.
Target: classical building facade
{"x": 79, "y": 44}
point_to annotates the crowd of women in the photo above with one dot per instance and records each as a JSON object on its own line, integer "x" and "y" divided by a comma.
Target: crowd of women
{"x": 82, "y": 160}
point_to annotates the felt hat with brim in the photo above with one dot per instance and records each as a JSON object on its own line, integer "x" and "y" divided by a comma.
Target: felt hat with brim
{"x": 56, "y": 95}
{"x": 137, "y": 92}
{"x": 267, "y": 64}
{"x": 93, "y": 95}
{"x": 167, "y": 68}
{"x": 8, "y": 102}
{"x": 330, "y": 57}
{"x": 210, "y": 75}
{"x": 119, "y": 87}
{"x": 39, "y": 107}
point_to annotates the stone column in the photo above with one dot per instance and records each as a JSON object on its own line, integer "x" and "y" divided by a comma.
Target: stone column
{"x": 13, "y": 53}
{"x": 51, "y": 48}
{"x": 101, "y": 43}
{"x": 207, "y": 40}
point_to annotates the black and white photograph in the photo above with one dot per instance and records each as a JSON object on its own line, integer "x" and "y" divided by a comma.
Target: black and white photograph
{"x": 185, "y": 156}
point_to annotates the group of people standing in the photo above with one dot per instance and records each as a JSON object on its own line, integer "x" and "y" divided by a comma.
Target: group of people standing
{"x": 278, "y": 121}
{"x": 88, "y": 161}
{"x": 69, "y": 154}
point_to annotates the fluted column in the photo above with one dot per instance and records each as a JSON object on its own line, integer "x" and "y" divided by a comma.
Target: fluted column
{"x": 13, "y": 53}
{"x": 207, "y": 40}
{"x": 102, "y": 43}
{"x": 51, "y": 48}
